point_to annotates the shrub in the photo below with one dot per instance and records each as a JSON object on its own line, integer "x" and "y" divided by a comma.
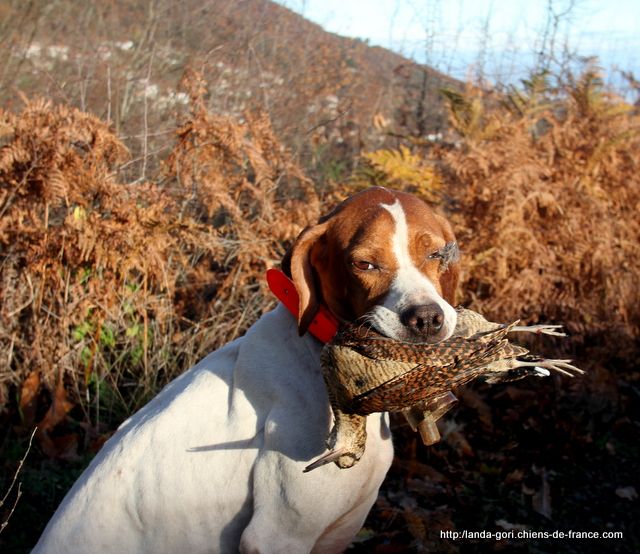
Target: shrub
{"x": 547, "y": 185}
{"x": 110, "y": 289}
{"x": 543, "y": 186}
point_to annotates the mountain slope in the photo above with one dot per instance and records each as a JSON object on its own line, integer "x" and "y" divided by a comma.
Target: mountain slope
{"x": 123, "y": 60}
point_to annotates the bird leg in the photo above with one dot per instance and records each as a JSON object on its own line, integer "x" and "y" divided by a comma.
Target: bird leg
{"x": 561, "y": 366}
{"x": 423, "y": 416}
{"x": 512, "y": 369}
{"x": 539, "y": 330}
{"x": 346, "y": 441}
{"x": 428, "y": 429}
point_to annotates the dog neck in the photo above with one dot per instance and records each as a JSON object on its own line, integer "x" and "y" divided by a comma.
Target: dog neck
{"x": 324, "y": 325}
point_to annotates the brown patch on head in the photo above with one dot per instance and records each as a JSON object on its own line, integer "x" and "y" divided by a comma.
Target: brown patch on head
{"x": 329, "y": 262}
{"x": 359, "y": 235}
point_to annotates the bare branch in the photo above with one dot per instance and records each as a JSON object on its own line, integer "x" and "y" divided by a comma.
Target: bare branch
{"x": 13, "y": 482}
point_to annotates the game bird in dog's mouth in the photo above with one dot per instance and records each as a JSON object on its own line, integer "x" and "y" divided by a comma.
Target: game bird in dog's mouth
{"x": 366, "y": 372}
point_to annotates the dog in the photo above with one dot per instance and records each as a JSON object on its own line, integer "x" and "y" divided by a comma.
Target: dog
{"x": 214, "y": 463}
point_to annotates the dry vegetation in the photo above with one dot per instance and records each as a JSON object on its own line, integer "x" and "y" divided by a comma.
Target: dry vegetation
{"x": 111, "y": 289}
{"x": 548, "y": 189}
{"x": 123, "y": 59}
{"x": 118, "y": 271}
{"x": 542, "y": 185}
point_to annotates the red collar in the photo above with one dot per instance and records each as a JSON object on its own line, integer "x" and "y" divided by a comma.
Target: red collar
{"x": 324, "y": 326}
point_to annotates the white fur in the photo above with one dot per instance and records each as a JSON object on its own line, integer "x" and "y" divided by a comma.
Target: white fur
{"x": 409, "y": 287}
{"x": 214, "y": 462}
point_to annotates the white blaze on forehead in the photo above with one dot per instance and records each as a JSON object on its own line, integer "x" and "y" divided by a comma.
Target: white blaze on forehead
{"x": 410, "y": 287}
{"x": 400, "y": 245}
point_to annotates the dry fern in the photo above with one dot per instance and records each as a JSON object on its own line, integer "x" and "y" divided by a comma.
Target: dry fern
{"x": 549, "y": 203}
{"x": 545, "y": 193}
{"x": 399, "y": 169}
{"x": 112, "y": 287}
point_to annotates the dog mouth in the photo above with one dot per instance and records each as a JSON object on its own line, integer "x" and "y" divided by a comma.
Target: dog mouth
{"x": 414, "y": 338}
{"x": 365, "y": 324}
{"x": 389, "y": 323}
{"x": 403, "y": 333}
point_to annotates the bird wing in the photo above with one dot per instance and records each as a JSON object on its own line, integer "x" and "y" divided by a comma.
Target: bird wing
{"x": 377, "y": 347}
{"x": 424, "y": 381}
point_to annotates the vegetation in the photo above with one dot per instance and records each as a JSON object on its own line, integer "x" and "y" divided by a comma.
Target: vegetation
{"x": 547, "y": 187}
{"x": 542, "y": 185}
{"x": 133, "y": 243}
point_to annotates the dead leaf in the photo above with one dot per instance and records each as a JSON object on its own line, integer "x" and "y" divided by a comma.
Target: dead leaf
{"x": 29, "y": 398}
{"x": 475, "y": 401}
{"x": 458, "y": 441}
{"x": 63, "y": 447}
{"x": 57, "y": 412}
{"x": 415, "y": 523}
{"x": 519, "y": 395}
{"x": 628, "y": 493}
{"x": 541, "y": 500}
{"x": 424, "y": 487}
{"x": 415, "y": 468}
{"x": 515, "y": 476}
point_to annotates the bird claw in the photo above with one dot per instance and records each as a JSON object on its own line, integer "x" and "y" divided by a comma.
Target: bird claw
{"x": 341, "y": 457}
{"x": 346, "y": 442}
{"x": 561, "y": 366}
{"x": 542, "y": 329}
{"x": 541, "y": 371}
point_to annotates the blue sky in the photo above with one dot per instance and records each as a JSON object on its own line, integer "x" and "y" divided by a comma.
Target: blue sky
{"x": 449, "y": 34}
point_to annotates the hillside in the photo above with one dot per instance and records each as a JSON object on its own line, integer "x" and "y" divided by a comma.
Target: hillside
{"x": 123, "y": 61}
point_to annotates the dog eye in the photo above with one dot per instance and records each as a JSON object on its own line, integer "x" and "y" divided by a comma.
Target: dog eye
{"x": 448, "y": 254}
{"x": 363, "y": 265}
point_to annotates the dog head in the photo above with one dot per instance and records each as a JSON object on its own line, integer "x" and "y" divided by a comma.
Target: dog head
{"x": 382, "y": 257}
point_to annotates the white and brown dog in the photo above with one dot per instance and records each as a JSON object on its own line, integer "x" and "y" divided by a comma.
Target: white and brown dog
{"x": 215, "y": 462}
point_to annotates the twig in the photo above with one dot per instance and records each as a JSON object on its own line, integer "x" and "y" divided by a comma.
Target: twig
{"x": 28, "y": 302}
{"x": 145, "y": 138}
{"x": 109, "y": 99}
{"x": 13, "y": 482}
{"x": 327, "y": 121}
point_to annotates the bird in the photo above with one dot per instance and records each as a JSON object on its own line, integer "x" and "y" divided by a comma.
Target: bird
{"x": 366, "y": 372}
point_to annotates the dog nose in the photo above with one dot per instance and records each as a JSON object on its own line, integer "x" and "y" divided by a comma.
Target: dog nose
{"x": 424, "y": 320}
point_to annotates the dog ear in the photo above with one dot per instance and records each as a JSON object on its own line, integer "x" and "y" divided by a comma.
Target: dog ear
{"x": 297, "y": 265}
{"x": 451, "y": 263}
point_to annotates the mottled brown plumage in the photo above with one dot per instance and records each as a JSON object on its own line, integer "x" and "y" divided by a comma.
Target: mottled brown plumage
{"x": 366, "y": 372}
